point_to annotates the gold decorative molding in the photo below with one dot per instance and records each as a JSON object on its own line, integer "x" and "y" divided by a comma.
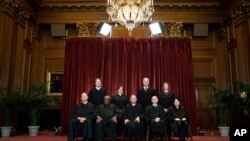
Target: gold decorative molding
{"x": 86, "y": 29}
{"x": 37, "y": 32}
{"x": 101, "y": 5}
{"x": 242, "y": 12}
{"x": 15, "y": 9}
{"x": 222, "y": 32}
{"x": 174, "y": 29}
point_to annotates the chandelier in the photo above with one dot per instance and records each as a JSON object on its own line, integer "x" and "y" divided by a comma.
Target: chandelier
{"x": 130, "y": 13}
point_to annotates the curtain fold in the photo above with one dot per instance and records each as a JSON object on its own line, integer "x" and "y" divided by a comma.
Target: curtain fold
{"x": 126, "y": 61}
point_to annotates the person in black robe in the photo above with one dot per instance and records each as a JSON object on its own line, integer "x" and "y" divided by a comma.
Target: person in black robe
{"x": 178, "y": 116}
{"x": 133, "y": 120}
{"x": 145, "y": 93}
{"x": 166, "y": 99}
{"x": 106, "y": 120}
{"x": 81, "y": 121}
{"x": 155, "y": 117}
{"x": 120, "y": 100}
{"x": 97, "y": 94}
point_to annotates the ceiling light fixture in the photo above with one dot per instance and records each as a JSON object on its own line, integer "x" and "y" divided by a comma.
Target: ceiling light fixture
{"x": 130, "y": 13}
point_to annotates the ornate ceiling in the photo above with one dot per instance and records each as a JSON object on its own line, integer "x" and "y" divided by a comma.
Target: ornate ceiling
{"x": 159, "y": 4}
{"x": 68, "y": 11}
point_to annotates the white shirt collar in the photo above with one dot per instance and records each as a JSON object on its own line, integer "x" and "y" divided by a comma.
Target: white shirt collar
{"x": 133, "y": 104}
{"x": 98, "y": 88}
{"x": 155, "y": 105}
{"x": 119, "y": 94}
{"x": 85, "y": 102}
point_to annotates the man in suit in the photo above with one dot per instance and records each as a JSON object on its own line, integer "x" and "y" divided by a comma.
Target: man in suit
{"x": 81, "y": 121}
{"x": 97, "y": 94}
{"x": 106, "y": 120}
{"x": 145, "y": 93}
{"x": 155, "y": 117}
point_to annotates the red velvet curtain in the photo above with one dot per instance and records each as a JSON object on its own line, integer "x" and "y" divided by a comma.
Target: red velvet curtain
{"x": 125, "y": 61}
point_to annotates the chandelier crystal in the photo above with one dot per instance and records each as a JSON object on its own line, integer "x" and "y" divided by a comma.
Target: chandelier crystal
{"x": 130, "y": 13}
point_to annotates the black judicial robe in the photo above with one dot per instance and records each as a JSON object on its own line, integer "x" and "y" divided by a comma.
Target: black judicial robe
{"x": 75, "y": 127}
{"x": 84, "y": 110}
{"x": 132, "y": 112}
{"x": 96, "y": 96}
{"x": 106, "y": 112}
{"x": 134, "y": 128}
{"x": 144, "y": 97}
{"x": 151, "y": 112}
{"x": 177, "y": 113}
{"x": 178, "y": 125}
{"x": 120, "y": 102}
{"x": 166, "y": 100}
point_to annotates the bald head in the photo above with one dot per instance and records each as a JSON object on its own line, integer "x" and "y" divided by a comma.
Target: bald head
{"x": 154, "y": 99}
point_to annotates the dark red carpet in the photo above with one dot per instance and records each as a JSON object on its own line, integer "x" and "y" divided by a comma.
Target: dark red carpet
{"x": 64, "y": 138}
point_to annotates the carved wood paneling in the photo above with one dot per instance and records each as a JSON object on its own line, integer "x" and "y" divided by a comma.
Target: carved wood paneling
{"x": 203, "y": 94}
{"x": 242, "y": 51}
{"x": 204, "y": 67}
{"x": 28, "y": 35}
{"x": 92, "y": 16}
{"x": 6, "y": 49}
{"x": 238, "y": 40}
{"x": 122, "y": 32}
{"x": 54, "y": 64}
{"x": 230, "y": 32}
{"x": 233, "y": 64}
{"x": 19, "y": 62}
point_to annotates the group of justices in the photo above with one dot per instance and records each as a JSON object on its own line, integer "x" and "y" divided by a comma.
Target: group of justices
{"x": 99, "y": 114}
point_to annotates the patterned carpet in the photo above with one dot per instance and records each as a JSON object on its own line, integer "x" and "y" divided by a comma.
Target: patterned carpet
{"x": 64, "y": 138}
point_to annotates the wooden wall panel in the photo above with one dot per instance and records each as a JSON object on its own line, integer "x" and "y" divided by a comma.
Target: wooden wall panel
{"x": 204, "y": 113}
{"x": 209, "y": 62}
{"x": 54, "y": 64}
{"x": 233, "y": 63}
{"x": 34, "y": 61}
{"x": 1, "y": 35}
{"x": 19, "y": 57}
{"x": 37, "y": 59}
{"x": 238, "y": 51}
{"x": 248, "y": 45}
{"x": 204, "y": 67}
{"x": 198, "y": 42}
{"x": 6, "y": 44}
{"x": 54, "y": 42}
{"x": 242, "y": 45}
{"x": 122, "y": 32}
{"x": 203, "y": 94}
{"x": 69, "y": 17}
{"x": 231, "y": 32}
{"x": 26, "y": 71}
{"x": 238, "y": 43}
